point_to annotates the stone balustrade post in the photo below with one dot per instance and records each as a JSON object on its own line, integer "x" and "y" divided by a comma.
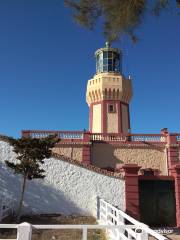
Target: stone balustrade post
{"x": 86, "y": 150}
{"x": 24, "y": 231}
{"x": 25, "y": 134}
{"x": 131, "y": 189}
{"x": 172, "y": 152}
{"x": 175, "y": 171}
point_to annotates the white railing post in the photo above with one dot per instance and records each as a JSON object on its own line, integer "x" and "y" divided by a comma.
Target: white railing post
{"x": 144, "y": 232}
{"x": 1, "y": 210}
{"x": 84, "y": 233}
{"x": 106, "y": 207}
{"x": 141, "y": 234}
{"x": 145, "y": 235}
{"x": 24, "y": 231}
{"x": 106, "y": 213}
{"x": 121, "y": 221}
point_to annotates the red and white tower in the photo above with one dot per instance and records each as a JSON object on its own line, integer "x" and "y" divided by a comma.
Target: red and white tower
{"x": 108, "y": 94}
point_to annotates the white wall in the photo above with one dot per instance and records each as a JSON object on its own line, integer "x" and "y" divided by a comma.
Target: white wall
{"x": 67, "y": 188}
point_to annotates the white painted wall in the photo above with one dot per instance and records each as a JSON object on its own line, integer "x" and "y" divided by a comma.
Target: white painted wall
{"x": 67, "y": 189}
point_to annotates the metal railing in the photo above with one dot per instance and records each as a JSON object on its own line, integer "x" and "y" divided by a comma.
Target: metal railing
{"x": 110, "y": 215}
{"x": 6, "y": 206}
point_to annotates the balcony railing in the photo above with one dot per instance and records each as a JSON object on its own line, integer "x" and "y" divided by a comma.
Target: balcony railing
{"x": 59, "y": 134}
{"x": 129, "y": 137}
{"x": 107, "y": 137}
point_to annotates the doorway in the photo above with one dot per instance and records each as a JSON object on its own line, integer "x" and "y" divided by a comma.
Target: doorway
{"x": 157, "y": 203}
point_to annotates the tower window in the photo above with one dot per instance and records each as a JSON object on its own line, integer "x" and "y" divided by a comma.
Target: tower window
{"x": 111, "y": 108}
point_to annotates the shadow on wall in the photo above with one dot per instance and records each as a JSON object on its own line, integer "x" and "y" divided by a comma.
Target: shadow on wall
{"x": 39, "y": 197}
{"x": 103, "y": 156}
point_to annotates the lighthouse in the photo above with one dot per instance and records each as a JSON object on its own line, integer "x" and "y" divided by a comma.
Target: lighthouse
{"x": 109, "y": 93}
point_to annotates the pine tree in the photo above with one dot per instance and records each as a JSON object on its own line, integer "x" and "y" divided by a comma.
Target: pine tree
{"x": 120, "y": 17}
{"x": 31, "y": 153}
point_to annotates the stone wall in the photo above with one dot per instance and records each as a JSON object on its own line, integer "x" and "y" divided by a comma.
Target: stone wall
{"x": 70, "y": 151}
{"x": 148, "y": 156}
{"x": 67, "y": 188}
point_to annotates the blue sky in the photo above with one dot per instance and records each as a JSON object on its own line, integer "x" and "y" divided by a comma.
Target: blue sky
{"x": 46, "y": 60}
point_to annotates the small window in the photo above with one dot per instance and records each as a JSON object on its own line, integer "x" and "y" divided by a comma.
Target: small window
{"x": 112, "y": 108}
{"x": 105, "y": 54}
{"x": 105, "y": 68}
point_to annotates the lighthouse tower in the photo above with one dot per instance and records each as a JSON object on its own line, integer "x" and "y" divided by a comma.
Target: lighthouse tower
{"x": 108, "y": 94}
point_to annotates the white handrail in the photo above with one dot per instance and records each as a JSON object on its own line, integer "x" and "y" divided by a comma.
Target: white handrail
{"x": 112, "y": 220}
{"x": 25, "y": 229}
{"x": 114, "y": 216}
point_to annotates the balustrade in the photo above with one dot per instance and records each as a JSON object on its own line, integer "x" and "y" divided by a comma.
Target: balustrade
{"x": 108, "y": 137}
{"x": 59, "y": 134}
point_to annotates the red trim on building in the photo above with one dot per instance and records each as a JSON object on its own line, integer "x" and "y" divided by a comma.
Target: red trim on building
{"x": 132, "y": 189}
{"x": 86, "y": 154}
{"x": 104, "y": 111}
{"x": 104, "y": 116}
{"x": 86, "y": 150}
{"x": 176, "y": 173}
{"x": 172, "y": 151}
{"x": 25, "y": 134}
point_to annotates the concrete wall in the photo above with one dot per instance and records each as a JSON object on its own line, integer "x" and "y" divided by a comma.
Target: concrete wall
{"x": 67, "y": 188}
{"x": 70, "y": 151}
{"x": 108, "y": 155}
